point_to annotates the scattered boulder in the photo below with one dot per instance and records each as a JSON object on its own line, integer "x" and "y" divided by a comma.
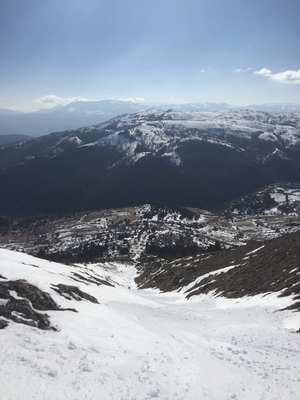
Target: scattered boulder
{"x": 3, "y": 323}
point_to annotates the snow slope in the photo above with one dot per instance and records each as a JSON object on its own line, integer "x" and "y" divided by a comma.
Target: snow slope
{"x": 141, "y": 344}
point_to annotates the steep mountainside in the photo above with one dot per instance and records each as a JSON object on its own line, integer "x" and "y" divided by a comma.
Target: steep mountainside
{"x": 196, "y": 159}
{"x": 257, "y": 268}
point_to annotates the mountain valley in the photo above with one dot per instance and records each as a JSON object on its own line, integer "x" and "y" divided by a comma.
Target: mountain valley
{"x": 155, "y": 255}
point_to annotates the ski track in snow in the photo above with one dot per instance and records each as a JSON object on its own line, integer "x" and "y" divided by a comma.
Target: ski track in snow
{"x": 147, "y": 345}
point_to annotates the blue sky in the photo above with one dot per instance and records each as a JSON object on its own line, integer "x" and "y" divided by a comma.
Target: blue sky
{"x": 235, "y": 51}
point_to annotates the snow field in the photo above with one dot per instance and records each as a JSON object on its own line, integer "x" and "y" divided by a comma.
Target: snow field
{"x": 145, "y": 344}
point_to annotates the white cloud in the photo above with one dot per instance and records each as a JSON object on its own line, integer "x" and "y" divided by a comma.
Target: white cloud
{"x": 206, "y": 70}
{"x": 53, "y": 100}
{"x": 285, "y": 77}
{"x": 239, "y": 70}
{"x": 134, "y": 99}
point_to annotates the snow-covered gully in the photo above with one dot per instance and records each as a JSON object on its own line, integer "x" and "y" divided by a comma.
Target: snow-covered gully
{"x": 143, "y": 344}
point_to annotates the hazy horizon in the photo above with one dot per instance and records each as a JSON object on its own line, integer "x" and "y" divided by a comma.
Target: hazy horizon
{"x": 142, "y": 102}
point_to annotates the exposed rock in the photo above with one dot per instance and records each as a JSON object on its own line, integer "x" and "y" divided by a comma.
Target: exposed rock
{"x": 22, "y": 308}
{"x": 73, "y": 292}
{"x": 40, "y": 300}
{"x": 3, "y": 324}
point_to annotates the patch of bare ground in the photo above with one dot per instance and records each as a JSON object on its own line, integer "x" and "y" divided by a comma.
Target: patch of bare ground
{"x": 273, "y": 267}
{"x": 20, "y": 301}
{"x": 73, "y": 292}
{"x": 91, "y": 279}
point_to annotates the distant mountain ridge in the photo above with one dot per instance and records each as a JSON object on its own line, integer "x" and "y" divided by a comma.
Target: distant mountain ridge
{"x": 5, "y": 139}
{"x": 84, "y": 113}
{"x": 197, "y": 159}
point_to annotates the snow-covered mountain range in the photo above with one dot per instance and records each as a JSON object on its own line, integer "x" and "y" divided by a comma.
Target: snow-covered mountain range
{"x": 83, "y": 113}
{"x": 202, "y": 159}
{"x": 157, "y": 131}
{"x": 161, "y": 131}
